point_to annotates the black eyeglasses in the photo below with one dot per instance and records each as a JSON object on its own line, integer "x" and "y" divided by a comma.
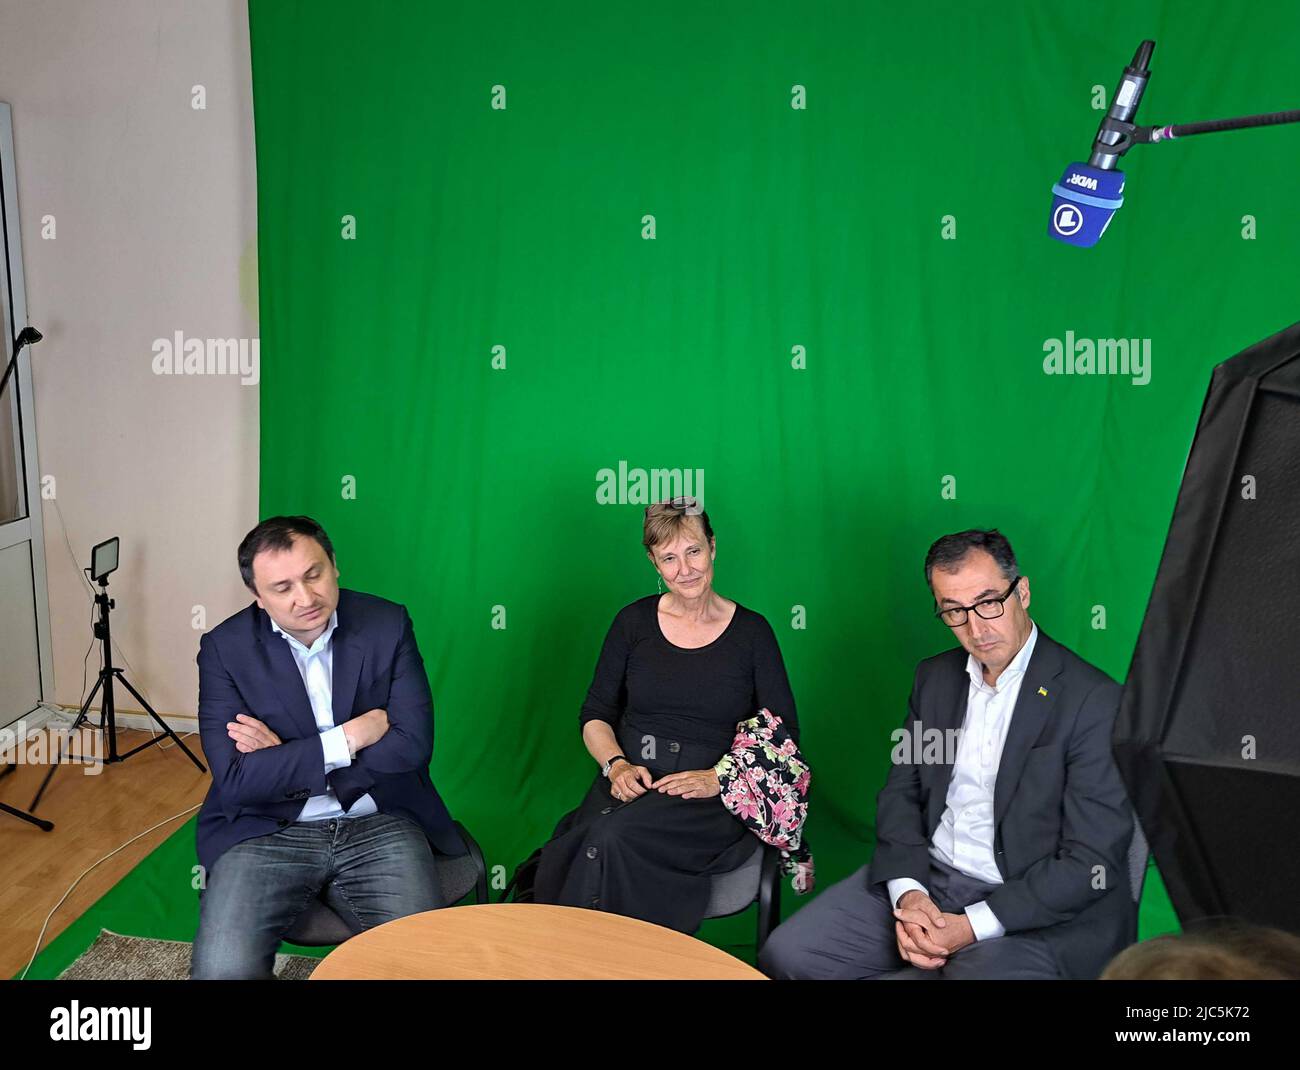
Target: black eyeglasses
{"x": 990, "y": 608}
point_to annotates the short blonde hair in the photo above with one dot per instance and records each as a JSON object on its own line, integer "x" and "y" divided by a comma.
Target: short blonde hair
{"x": 665, "y": 520}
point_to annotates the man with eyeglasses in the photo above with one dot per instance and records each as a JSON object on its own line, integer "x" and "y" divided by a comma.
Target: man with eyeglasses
{"x": 1004, "y": 855}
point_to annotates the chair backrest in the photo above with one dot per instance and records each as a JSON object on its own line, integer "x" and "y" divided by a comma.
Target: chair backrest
{"x": 457, "y": 875}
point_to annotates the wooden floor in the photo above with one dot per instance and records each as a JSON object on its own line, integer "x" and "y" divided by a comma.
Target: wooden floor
{"x": 92, "y": 815}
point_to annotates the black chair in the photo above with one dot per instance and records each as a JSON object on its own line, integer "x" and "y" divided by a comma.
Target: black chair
{"x": 758, "y": 877}
{"x": 321, "y": 926}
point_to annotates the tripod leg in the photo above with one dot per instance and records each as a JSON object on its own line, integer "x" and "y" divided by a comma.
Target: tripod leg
{"x": 85, "y": 706}
{"x": 46, "y": 825}
{"x": 163, "y": 724}
{"x": 81, "y": 716}
{"x": 46, "y": 782}
{"x": 40, "y": 823}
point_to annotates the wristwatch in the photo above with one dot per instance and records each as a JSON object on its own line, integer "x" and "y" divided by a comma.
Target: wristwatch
{"x": 604, "y": 770}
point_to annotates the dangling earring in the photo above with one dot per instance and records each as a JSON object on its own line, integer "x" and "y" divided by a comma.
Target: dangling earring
{"x": 659, "y": 580}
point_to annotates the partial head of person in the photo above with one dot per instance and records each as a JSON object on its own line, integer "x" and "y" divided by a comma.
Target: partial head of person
{"x": 678, "y": 539}
{"x": 980, "y": 594}
{"x": 1222, "y": 951}
{"x": 288, "y": 564}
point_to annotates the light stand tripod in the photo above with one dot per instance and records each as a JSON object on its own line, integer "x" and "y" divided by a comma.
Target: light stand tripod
{"x": 108, "y": 723}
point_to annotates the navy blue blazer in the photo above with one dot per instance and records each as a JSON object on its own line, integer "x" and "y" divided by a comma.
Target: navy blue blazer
{"x": 245, "y": 667}
{"x": 1062, "y": 819}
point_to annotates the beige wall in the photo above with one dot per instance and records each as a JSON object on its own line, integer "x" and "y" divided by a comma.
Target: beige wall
{"x": 155, "y": 211}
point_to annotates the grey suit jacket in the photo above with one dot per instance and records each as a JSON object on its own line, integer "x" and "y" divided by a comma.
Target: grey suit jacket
{"x": 1061, "y": 816}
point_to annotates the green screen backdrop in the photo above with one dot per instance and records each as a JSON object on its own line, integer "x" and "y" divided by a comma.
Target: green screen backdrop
{"x": 797, "y": 252}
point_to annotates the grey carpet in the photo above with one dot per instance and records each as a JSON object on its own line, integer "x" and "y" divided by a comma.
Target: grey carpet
{"x": 114, "y": 957}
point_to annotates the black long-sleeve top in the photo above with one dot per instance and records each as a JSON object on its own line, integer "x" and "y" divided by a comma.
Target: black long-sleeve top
{"x": 695, "y": 695}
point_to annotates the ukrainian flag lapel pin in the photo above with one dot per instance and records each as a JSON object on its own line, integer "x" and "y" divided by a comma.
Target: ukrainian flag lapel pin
{"x": 1043, "y": 691}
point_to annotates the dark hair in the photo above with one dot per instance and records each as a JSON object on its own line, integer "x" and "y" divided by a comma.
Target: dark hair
{"x": 276, "y": 533}
{"x": 950, "y": 551}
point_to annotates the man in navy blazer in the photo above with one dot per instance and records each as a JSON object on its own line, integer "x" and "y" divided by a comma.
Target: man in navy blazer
{"x": 317, "y": 722}
{"x": 1003, "y": 828}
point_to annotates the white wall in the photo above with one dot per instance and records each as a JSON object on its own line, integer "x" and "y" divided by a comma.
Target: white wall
{"x": 154, "y": 205}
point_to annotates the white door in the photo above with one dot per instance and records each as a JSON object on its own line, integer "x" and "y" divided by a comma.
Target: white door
{"x": 26, "y": 673}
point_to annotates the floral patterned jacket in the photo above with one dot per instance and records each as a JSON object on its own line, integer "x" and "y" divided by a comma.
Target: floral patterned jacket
{"x": 765, "y": 785}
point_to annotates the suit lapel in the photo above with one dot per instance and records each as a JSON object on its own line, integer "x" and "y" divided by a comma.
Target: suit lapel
{"x": 282, "y": 669}
{"x": 349, "y": 656}
{"x": 952, "y": 714}
{"x": 283, "y": 673}
{"x": 1032, "y": 711}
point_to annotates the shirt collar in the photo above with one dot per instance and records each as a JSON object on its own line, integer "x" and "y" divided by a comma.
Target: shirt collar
{"x": 321, "y": 640}
{"x": 1016, "y": 668}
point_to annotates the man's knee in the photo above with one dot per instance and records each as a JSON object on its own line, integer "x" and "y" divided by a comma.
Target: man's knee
{"x": 232, "y": 955}
{"x": 367, "y": 903}
{"x": 845, "y": 932}
{"x": 1004, "y": 959}
{"x": 242, "y": 919}
{"x": 228, "y": 966}
{"x": 795, "y": 949}
{"x": 784, "y": 956}
{"x": 400, "y": 881}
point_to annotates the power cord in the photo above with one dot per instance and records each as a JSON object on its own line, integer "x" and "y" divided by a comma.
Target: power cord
{"x": 41, "y": 936}
{"x": 58, "y": 709}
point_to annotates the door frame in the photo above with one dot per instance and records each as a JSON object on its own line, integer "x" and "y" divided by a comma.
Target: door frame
{"x": 31, "y": 528}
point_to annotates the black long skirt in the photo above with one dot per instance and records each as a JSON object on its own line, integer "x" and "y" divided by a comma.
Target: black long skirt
{"x": 651, "y": 857}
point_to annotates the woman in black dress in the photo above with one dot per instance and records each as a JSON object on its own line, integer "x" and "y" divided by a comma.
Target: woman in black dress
{"x": 676, "y": 673}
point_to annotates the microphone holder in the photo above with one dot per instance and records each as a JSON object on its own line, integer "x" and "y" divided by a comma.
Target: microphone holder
{"x": 1105, "y": 154}
{"x": 1130, "y": 135}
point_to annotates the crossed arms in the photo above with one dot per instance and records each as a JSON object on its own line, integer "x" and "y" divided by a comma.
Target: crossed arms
{"x": 251, "y": 764}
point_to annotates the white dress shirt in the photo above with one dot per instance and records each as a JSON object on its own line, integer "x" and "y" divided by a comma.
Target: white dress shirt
{"x": 316, "y": 666}
{"x": 964, "y": 837}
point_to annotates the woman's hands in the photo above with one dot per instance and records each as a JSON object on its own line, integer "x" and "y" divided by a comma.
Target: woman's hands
{"x": 627, "y": 781}
{"x": 691, "y": 784}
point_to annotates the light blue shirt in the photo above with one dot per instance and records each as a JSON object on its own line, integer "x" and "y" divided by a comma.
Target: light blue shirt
{"x": 964, "y": 838}
{"x": 316, "y": 667}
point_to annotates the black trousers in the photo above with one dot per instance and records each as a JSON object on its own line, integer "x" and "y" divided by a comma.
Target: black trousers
{"x": 651, "y": 857}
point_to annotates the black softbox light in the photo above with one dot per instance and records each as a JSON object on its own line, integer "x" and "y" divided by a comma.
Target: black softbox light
{"x": 1208, "y": 734}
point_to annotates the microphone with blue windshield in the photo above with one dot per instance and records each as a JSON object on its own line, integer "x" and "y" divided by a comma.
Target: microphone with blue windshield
{"x": 1089, "y": 194}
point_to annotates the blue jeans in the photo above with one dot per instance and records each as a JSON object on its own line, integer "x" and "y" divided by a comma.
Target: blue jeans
{"x": 372, "y": 869}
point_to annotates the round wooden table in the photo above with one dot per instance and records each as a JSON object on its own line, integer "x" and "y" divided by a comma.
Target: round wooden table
{"x": 527, "y": 941}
